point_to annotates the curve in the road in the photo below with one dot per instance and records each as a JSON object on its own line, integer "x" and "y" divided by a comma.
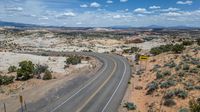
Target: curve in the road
{"x": 101, "y": 93}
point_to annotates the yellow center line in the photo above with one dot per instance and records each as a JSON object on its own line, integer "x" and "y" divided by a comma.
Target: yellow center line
{"x": 92, "y": 96}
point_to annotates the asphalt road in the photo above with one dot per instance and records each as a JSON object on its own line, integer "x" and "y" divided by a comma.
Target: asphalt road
{"x": 101, "y": 93}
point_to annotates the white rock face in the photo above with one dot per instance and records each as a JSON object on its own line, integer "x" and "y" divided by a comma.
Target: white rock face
{"x": 56, "y": 64}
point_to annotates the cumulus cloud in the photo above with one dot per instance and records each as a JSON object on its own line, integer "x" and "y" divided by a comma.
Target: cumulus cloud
{"x": 154, "y": 7}
{"x": 123, "y": 0}
{"x": 84, "y": 5}
{"x": 95, "y": 5}
{"x": 43, "y": 18}
{"x": 170, "y": 9}
{"x": 65, "y": 15}
{"x": 14, "y": 9}
{"x": 109, "y": 1}
{"x": 171, "y": 14}
{"x": 141, "y": 10}
{"x": 188, "y": 2}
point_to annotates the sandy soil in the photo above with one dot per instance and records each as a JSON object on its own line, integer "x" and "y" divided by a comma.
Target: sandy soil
{"x": 155, "y": 102}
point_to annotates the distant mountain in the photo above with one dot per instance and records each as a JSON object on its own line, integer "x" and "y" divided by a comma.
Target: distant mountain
{"x": 23, "y": 25}
{"x": 120, "y": 27}
{"x": 154, "y": 26}
{"x": 14, "y": 24}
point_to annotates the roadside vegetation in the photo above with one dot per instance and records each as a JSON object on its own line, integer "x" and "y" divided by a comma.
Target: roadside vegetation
{"x": 177, "y": 48}
{"x": 174, "y": 71}
{"x": 73, "y": 59}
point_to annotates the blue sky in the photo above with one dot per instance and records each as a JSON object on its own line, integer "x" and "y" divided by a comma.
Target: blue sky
{"x": 102, "y": 13}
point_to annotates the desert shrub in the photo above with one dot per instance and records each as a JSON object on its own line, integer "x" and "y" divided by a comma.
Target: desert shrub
{"x": 12, "y": 69}
{"x": 47, "y": 75}
{"x": 171, "y": 64}
{"x": 151, "y": 87}
{"x": 189, "y": 86}
{"x": 161, "y": 49}
{"x": 132, "y": 50}
{"x": 186, "y": 66}
{"x": 5, "y": 80}
{"x": 197, "y": 87}
{"x": 167, "y": 73}
{"x": 73, "y": 59}
{"x": 198, "y": 41}
{"x": 169, "y": 94}
{"x": 194, "y": 105}
{"x": 194, "y": 70}
{"x": 184, "y": 110}
{"x": 130, "y": 106}
{"x": 159, "y": 75}
{"x": 177, "y": 48}
{"x": 140, "y": 72}
{"x": 181, "y": 73}
{"x": 178, "y": 67}
{"x": 198, "y": 65}
{"x": 169, "y": 102}
{"x": 181, "y": 93}
{"x": 187, "y": 43}
{"x": 40, "y": 69}
{"x": 176, "y": 92}
{"x": 167, "y": 84}
{"x": 156, "y": 67}
{"x": 25, "y": 71}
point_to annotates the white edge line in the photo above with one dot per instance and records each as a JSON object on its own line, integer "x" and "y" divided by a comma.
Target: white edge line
{"x": 116, "y": 88}
{"x": 80, "y": 89}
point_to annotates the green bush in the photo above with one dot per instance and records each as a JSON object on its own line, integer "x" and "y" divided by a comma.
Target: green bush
{"x": 198, "y": 41}
{"x": 169, "y": 102}
{"x": 25, "y": 71}
{"x": 171, "y": 64}
{"x": 12, "y": 69}
{"x": 187, "y": 43}
{"x": 178, "y": 67}
{"x": 47, "y": 75}
{"x": 159, "y": 75}
{"x": 5, "y": 80}
{"x": 183, "y": 110}
{"x": 132, "y": 50}
{"x": 194, "y": 105}
{"x": 40, "y": 69}
{"x": 167, "y": 84}
{"x": 161, "y": 49}
{"x": 167, "y": 73}
{"x": 151, "y": 87}
{"x": 186, "y": 66}
{"x": 73, "y": 59}
{"x": 194, "y": 70}
{"x": 176, "y": 92}
{"x": 177, "y": 48}
{"x": 181, "y": 93}
{"x": 130, "y": 106}
{"x": 181, "y": 73}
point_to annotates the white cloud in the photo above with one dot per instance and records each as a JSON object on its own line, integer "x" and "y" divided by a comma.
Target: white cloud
{"x": 95, "y": 5}
{"x": 117, "y": 16}
{"x": 123, "y": 0}
{"x": 141, "y": 10}
{"x": 171, "y": 14}
{"x": 65, "y": 14}
{"x": 170, "y": 9}
{"x": 154, "y": 7}
{"x": 43, "y": 18}
{"x": 14, "y": 9}
{"x": 188, "y": 2}
{"x": 84, "y": 5}
{"x": 109, "y": 1}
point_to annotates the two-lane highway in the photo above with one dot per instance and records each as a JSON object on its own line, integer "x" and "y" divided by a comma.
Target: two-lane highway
{"x": 101, "y": 93}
